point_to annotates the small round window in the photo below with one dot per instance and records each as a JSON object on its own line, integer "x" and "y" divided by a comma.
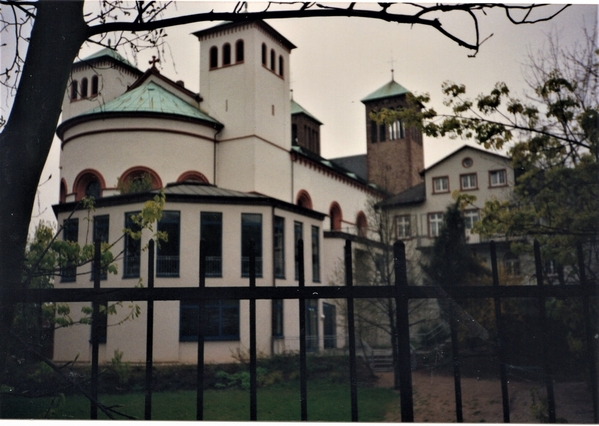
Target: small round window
{"x": 467, "y": 162}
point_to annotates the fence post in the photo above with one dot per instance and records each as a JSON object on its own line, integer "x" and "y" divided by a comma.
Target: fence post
{"x": 200, "y": 366}
{"x": 353, "y": 379}
{"x": 253, "y": 382}
{"x": 302, "y": 342}
{"x": 149, "y": 334}
{"x": 586, "y": 306}
{"x": 500, "y": 342}
{"x": 403, "y": 332}
{"x": 95, "y": 336}
{"x": 545, "y": 334}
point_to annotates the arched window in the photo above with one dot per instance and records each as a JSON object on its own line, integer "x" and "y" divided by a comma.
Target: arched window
{"x": 84, "y": 88}
{"x": 272, "y": 59}
{"x": 95, "y": 85}
{"x": 226, "y": 54}
{"x": 239, "y": 54}
{"x": 281, "y": 66}
{"x": 336, "y": 216}
{"x": 139, "y": 179}
{"x": 192, "y": 176}
{"x": 263, "y": 54}
{"x": 304, "y": 200}
{"x": 88, "y": 183}
{"x": 73, "y": 94}
{"x": 213, "y": 57}
{"x": 63, "y": 191}
{"x": 362, "y": 224}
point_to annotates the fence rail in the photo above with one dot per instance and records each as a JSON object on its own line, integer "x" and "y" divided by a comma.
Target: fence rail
{"x": 401, "y": 292}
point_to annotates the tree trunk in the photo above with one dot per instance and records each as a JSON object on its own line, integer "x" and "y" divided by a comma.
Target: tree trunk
{"x": 58, "y": 32}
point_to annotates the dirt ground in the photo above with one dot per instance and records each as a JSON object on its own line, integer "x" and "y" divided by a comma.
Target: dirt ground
{"x": 434, "y": 399}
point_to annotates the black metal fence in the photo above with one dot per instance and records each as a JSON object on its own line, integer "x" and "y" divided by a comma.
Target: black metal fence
{"x": 401, "y": 292}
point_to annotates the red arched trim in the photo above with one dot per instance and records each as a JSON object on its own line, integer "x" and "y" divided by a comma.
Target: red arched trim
{"x": 336, "y": 216}
{"x": 303, "y": 199}
{"x": 139, "y": 170}
{"x": 362, "y": 224}
{"x": 83, "y": 179}
{"x": 193, "y": 176}
{"x": 63, "y": 191}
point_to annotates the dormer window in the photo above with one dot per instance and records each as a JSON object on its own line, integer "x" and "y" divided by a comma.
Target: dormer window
{"x": 227, "y": 54}
{"x": 239, "y": 54}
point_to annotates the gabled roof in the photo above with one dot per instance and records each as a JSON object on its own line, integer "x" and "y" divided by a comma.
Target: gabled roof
{"x": 414, "y": 195}
{"x": 107, "y": 54}
{"x": 387, "y": 91}
{"x": 225, "y": 26}
{"x": 298, "y": 109}
{"x": 153, "y": 72}
{"x": 357, "y": 164}
{"x": 461, "y": 149}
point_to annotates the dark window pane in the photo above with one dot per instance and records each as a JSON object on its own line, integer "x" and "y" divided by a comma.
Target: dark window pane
{"x": 70, "y": 232}
{"x": 279, "y": 247}
{"x": 132, "y": 254}
{"x": 167, "y": 255}
{"x": 251, "y": 230}
{"x": 220, "y": 320}
{"x": 101, "y": 229}
{"x": 211, "y": 231}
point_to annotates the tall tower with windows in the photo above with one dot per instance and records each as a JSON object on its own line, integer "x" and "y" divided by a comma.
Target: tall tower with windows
{"x": 394, "y": 153}
{"x": 244, "y": 84}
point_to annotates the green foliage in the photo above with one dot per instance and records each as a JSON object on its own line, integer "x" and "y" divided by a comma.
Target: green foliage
{"x": 141, "y": 183}
{"x": 122, "y": 369}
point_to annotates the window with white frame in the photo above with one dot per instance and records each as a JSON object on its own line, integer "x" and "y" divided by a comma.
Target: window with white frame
{"x": 396, "y": 130}
{"x": 497, "y": 178}
{"x": 468, "y": 182}
{"x": 470, "y": 218}
{"x": 402, "y": 224}
{"x": 440, "y": 184}
{"x": 435, "y": 222}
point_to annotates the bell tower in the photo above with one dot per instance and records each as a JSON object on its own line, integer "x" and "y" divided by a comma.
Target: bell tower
{"x": 395, "y": 155}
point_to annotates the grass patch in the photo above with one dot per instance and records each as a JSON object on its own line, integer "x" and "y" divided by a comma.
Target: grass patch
{"x": 327, "y": 402}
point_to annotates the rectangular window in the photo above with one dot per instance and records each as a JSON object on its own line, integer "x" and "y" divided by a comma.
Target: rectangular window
{"x": 435, "y": 222}
{"x": 251, "y": 230}
{"x": 220, "y": 320}
{"x": 468, "y": 182}
{"x": 497, "y": 178}
{"x": 132, "y": 252}
{"x": 70, "y": 232}
{"x": 101, "y": 228}
{"x": 470, "y": 218}
{"x": 298, "y": 233}
{"x": 168, "y": 253}
{"x": 374, "y": 129}
{"x": 277, "y": 318}
{"x": 315, "y": 254}
{"x": 402, "y": 224}
{"x": 279, "y": 246}
{"x": 382, "y": 133}
{"x": 311, "y": 325}
{"x": 396, "y": 130}
{"x": 440, "y": 185}
{"x": 211, "y": 231}
{"x": 329, "y": 325}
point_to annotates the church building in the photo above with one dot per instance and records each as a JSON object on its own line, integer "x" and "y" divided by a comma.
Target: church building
{"x": 239, "y": 160}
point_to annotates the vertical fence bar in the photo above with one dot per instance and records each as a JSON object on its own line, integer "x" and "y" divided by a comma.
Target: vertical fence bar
{"x": 149, "y": 335}
{"x": 586, "y": 306}
{"x": 302, "y": 342}
{"x": 353, "y": 376}
{"x": 200, "y": 366}
{"x": 253, "y": 382}
{"x": 545, "y": 335}
{"x": 455, "y": 357}
{"x": 403, "y": 332}
{"x": 500, "y": 342}
{"x": 95, "y": 335}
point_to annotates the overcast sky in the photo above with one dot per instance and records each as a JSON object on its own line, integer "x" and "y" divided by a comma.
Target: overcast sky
{"x": 339, "y": 61}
